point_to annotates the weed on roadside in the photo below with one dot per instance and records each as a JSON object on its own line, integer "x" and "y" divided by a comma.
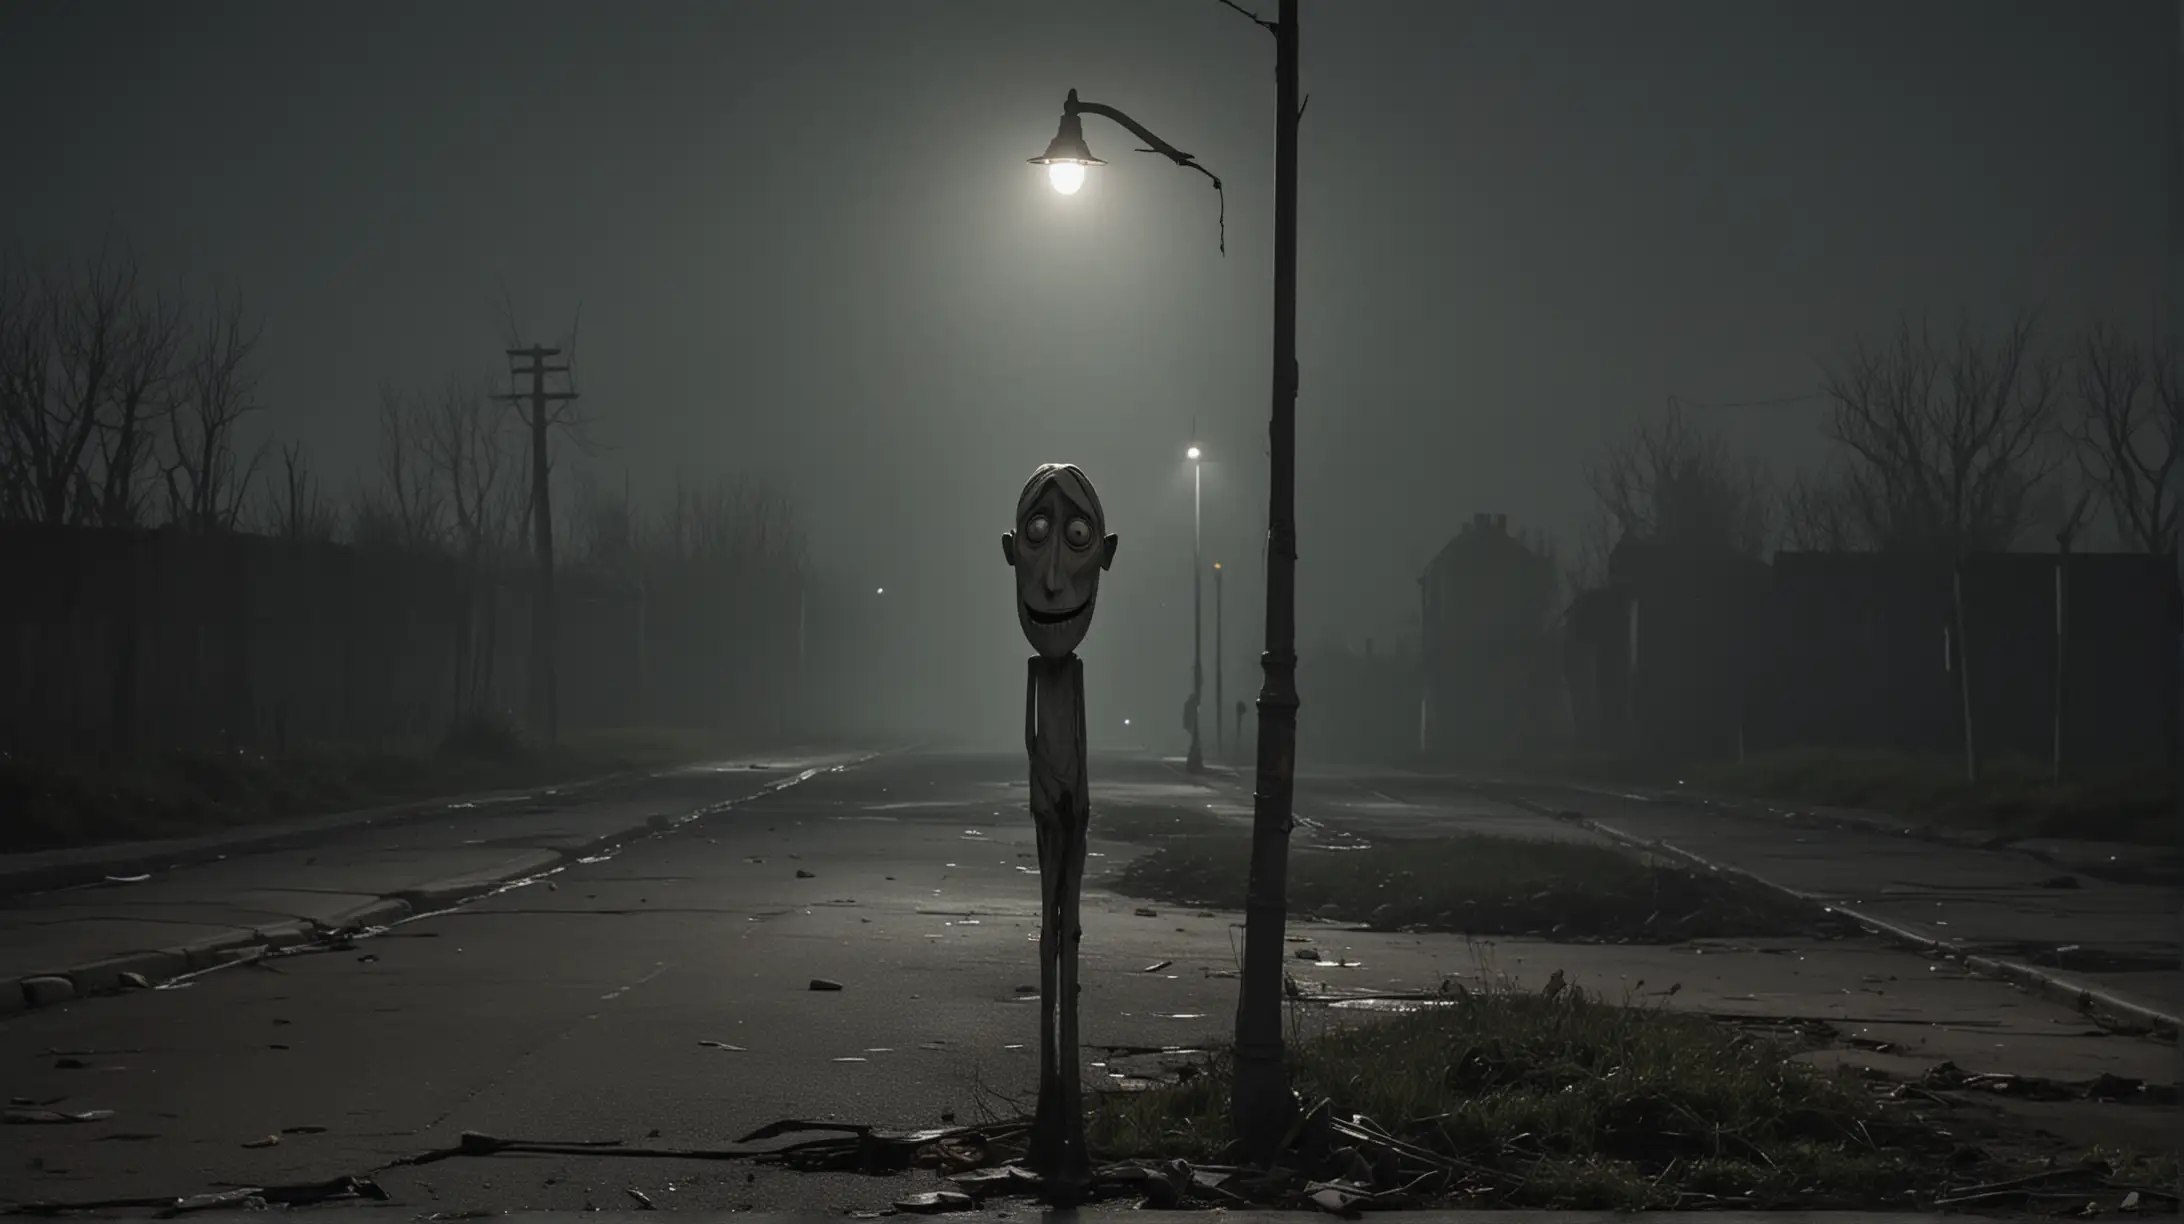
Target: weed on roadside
{"x": 1560, "y": 1100}
{"x": 1481, "y": 885}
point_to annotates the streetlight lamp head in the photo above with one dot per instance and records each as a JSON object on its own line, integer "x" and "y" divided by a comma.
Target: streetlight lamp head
{"x": 1067, "y": 156}
{"x": 1192, "y": 453}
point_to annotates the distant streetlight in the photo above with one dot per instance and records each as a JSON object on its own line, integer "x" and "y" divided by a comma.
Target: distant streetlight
{"x": 1261, "y": 1104}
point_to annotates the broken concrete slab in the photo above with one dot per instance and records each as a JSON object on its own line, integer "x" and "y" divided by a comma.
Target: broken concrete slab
{"x": 47, "y": 989}
{"x": 470, "y": 884}
{"x": 233, "y": 908}
{"x": 107, "y": 974}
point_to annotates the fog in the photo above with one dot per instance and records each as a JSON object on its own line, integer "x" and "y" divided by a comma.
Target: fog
{"x": 799, "y": 245}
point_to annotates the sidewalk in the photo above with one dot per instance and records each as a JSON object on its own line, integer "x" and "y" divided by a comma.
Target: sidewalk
{"x": 2012, "y": 914}
{"x": 230, "y": 897}
{"x": 2093, "y": 944}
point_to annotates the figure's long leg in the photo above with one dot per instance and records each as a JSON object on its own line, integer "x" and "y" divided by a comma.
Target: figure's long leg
{"x": 1077, "y": 1164}
{"x": 1046, "y": 1131}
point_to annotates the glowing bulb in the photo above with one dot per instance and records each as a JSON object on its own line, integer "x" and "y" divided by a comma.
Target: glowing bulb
{"x": 1066, "y": 176}
{"x": 880, "y": 591}
{"x": 1192, "y": 453}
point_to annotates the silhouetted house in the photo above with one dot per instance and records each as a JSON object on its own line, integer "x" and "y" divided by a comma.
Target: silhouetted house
{"x": 1486, "y": 663}
{"x": 1656, "y": 661}
{"x": 1596, "y": 668}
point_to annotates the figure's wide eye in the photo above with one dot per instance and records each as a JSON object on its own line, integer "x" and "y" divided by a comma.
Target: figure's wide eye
{"x": 1037, "y": 530}
{"x": 1078, "y": 533}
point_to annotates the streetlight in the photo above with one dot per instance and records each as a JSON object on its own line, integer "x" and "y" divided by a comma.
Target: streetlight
{"x": 1262, "y": 1105}
{"x": 1196, "y": 761}
{"x": 1220, "y": 694}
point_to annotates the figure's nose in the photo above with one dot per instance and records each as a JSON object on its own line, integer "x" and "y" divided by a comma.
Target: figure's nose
{"x": 1052, "y": 578}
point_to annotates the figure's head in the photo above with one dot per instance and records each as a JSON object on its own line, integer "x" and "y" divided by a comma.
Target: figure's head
{"x": 1058, "y": 549}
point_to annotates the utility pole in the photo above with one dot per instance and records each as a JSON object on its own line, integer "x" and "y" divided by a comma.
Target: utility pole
{"x": 2171, "y": 319}
{"x": 539, "y": 419}
{"x": 1262, "y": 1104}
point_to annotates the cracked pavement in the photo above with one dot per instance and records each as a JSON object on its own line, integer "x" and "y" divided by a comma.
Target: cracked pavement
{"x": 661, "y": 994}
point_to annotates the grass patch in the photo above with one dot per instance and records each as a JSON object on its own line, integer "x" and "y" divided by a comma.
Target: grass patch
{"x": 1479, "y": 885}
{"x": 54, "y": 802}
{"x": 1560, "y": 1100}
{"x": 2012, "y": 799}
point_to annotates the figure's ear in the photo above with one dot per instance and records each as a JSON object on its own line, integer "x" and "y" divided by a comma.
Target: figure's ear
{"x": 1008, "y": 548}
{"x": 1107, "y": 551}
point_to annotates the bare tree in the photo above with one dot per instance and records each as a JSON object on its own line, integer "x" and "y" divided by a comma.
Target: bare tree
{"x": 142, "y": 399}
{"x": 607, "y": 526}
{"x": 66, "y": 338}
{"x": 1817, "y": 515}
{"x": 295, "y": 505}
{"x": 2127, "y": 428}
{"x": 466, "y": 441}
{"x": 1944, "y": 446}
{"x": 25, "y": 364}
{"x": 1588, "y": 567}
{"x": 208, "y": 478}
{"x": 1675, "y": 483}
{"x": 407, "y": 508}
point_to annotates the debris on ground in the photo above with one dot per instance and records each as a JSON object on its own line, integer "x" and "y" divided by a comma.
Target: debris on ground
{"x": 240, "y": 1198}
{"x": 53, "y": 1117}
{"x": 935, "y": 1200}
{"x": 825, "y": 984}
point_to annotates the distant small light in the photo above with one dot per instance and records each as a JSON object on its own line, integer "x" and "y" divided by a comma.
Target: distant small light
{"x": 1125, "y": 722}
{"x": 881, "y": 591}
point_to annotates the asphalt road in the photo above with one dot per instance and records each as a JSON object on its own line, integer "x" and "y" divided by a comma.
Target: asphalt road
{"x": 578, "y": 1008}
{"x": 660, "y": 996}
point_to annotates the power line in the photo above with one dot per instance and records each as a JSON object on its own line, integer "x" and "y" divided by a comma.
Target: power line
{"x": 1776, "y": 402}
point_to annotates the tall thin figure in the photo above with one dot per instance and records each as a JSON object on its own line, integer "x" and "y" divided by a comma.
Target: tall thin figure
{"x": 1058, "y": 550}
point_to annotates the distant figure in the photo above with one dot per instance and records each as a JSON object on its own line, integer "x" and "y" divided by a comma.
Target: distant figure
{"x": 1239, "y": 721}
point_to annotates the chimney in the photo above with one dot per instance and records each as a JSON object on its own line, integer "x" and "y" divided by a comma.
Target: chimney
{"x": 1482, "y": 521}
{"x": 1501, "y": 523}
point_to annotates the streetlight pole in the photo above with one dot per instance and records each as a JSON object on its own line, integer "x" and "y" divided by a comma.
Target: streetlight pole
{"x": 1220, "y": 694}
{"x": 1262, "y": 1105}
{"x": 1196, "y": 761}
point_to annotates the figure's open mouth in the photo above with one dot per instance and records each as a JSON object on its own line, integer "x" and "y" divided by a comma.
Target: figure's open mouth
{"x": 1055, "y": 618}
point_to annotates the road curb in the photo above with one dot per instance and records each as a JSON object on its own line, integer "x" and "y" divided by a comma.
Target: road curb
{"x": 1016, "y": 1213}
{"x": 93, "y": 864}
{"x": 1856, "y": 821}
{"x": 2084, "y": 997}
{"x": 156, "y": 966}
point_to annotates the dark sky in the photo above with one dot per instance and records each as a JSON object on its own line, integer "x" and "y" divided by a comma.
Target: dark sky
{"x": 807, "y": 244}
